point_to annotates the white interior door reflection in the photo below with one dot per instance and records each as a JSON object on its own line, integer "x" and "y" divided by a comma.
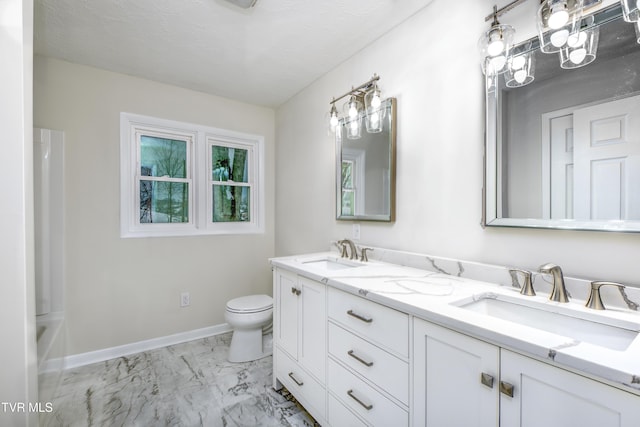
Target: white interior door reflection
{"x": 591, "y": 162}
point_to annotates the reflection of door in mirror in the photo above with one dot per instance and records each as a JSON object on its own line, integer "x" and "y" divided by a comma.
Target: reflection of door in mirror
{"x": 591, "y": 161}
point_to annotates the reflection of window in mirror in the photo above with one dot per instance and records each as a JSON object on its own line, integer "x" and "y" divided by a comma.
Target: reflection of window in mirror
{"x": 348, "y": 191}
{"x": 353, "y": 166}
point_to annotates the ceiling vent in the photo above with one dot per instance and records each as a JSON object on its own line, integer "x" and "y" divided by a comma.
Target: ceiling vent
{"x": 245, "y": 4}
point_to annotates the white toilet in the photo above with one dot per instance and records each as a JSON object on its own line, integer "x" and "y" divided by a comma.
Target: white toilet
{"x": 249, "y": 316}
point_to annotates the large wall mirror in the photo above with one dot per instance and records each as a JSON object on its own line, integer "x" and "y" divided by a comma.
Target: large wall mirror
{"x": 564, "y": 150}
{"x": 365, "y": 170}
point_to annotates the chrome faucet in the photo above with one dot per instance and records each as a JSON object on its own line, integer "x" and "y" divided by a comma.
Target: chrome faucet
{"x": 559, "y": 292}
{"x": 352, "y": 246}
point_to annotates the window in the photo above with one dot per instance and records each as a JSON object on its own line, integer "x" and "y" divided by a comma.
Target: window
{"x": 182, "y": 179}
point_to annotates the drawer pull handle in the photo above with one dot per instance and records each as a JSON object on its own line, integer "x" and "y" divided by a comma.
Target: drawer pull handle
{"x": 506, "y": 388}
{"x": 364, "y": 405}
{"x": 486, "y": 379}
{"x": 359, "y": 359}
{"x": 295, "y": 291}
{"x": 359, "y": 317}
{"x": 295, "y": 380}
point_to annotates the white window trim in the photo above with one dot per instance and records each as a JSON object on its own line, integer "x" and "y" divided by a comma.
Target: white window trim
{"x": 200, "y": 198}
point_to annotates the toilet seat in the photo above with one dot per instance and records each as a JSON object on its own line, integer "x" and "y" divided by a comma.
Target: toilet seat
{"x": 250, "y": 304}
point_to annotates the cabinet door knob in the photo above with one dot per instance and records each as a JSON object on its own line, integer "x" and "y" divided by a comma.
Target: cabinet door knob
{"x": 295, "y": 290}
{"x": 486, "y": 379}
{"x": 359, "y": 359}
{"x": 364, "y": 405}
{"x": 295, "y": 380}
{"x": 360, "y": 317}
{"x": 506, "y": 388}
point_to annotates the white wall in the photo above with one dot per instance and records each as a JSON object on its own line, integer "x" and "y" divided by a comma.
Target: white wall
{"x": 120, "y": 291}
{"x": 18, "y": 370}
{"x": 430, "y": 63}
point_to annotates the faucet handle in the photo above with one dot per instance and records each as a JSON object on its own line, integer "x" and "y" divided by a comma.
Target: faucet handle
{"x": 363, "y": 252}
{"x": 595, "y": 301}
{"x": 527, "y": 287}
{"x": 343, "y": 246}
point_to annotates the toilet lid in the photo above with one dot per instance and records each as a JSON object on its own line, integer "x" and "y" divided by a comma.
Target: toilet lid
{"x": 250, "y": 304}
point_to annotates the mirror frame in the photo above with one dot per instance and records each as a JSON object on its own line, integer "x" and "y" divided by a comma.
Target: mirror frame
{"x": 392, "y": 171}
{"x": 492, "y": 163}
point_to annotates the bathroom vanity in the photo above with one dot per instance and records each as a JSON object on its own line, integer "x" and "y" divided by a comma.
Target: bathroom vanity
{"x": 412, "y": 340}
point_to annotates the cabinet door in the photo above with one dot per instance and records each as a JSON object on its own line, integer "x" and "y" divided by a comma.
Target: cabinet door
{"x": 552, "y": 397}
{"x": 286, "y": 313}
{"x": 448, "y": 374}
{"x": 313, "y": 331}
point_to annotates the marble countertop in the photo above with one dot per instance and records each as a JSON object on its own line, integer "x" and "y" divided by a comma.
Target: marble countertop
{"x": 436, "y": 296}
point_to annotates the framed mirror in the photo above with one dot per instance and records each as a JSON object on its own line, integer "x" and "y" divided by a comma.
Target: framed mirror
{"x": 365, "y": 169}
{"x": 564, "y": 150}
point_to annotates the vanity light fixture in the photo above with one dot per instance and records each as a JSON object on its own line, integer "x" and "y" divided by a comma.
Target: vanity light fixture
{"x": 520, "y": 68}
{"x": 561, "y": 29}
{"x": 631, "y": 13}
{"x": 581, "y": 46}
{"x": 495, "y": 44}
{"x": 364, "y": 102}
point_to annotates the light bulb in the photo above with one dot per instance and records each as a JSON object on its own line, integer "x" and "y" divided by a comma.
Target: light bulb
{"x": 333, "y": 121}
{"x": 559, "y": 38}
{"x": 353, "y": 108}
{"x": 578, "y": 55}
{"x": 518, "y": 62}
{"x": 520, "y": 76}
{"x": 559, "y": 16}
{"x": 495, "y": 47}
{"x": 375, "y": 100}
{"x": 576, "y": 40}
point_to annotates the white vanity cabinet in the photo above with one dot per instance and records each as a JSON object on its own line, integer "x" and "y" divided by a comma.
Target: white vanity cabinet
{"x": 544, "y": 395}
{"x": 460, "y": 380}
{"x": 300, "y": 331}
{"x": 448, "y": 369}
{"x": 368, "y": 372}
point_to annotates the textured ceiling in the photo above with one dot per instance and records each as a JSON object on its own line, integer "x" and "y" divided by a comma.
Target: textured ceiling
{"x": 263, "y": 55}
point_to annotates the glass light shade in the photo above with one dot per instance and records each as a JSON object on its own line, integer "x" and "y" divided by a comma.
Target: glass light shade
{"x": 495, "y": 44}
{"x": 556, "y": 20}
{"x": 583, "y": 48}
{"x": 630, "y": 10}
{"x": 375, "y": 119}
{"x": 374, "y": 112}
{"x": 521, "y": 68}
{"x": 353, "y": 127}
{"x": 333, "y": 118}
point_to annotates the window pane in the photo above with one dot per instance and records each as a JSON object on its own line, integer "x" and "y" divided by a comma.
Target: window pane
{"x": 163, "y": 157}
{"x": 162, "y": 202}
{"x": 231, "y": 203}
{"x": 348, "y": 203}
{"x": 229, "y": 164}
{"x": 347, "y": 174}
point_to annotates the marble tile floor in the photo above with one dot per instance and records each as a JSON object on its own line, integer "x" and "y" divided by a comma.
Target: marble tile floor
{"x": 189, "y": 384}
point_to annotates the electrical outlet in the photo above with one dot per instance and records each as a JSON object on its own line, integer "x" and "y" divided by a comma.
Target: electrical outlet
{"x": 185, "y": 299}
{"x": 355, "y": 232}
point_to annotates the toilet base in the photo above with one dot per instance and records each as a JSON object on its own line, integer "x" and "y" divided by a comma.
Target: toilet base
{"x": 247, "y": 345}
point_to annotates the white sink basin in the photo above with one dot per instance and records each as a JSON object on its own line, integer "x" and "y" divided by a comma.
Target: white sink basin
{"x": 614, "y": 334}
{"x": 330, "y": 263}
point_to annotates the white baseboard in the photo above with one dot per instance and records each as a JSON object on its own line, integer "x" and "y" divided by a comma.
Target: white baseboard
{"x": 90, "y": 357}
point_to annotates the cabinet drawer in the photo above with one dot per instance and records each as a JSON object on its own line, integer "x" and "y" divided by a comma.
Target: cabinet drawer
{"x": 385, "y": 326}
{"x": 376, "y": 365}
{"x": 310, "y": 393}
{"x": 340, "y": 416}
{"x": 363, "y": 399}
